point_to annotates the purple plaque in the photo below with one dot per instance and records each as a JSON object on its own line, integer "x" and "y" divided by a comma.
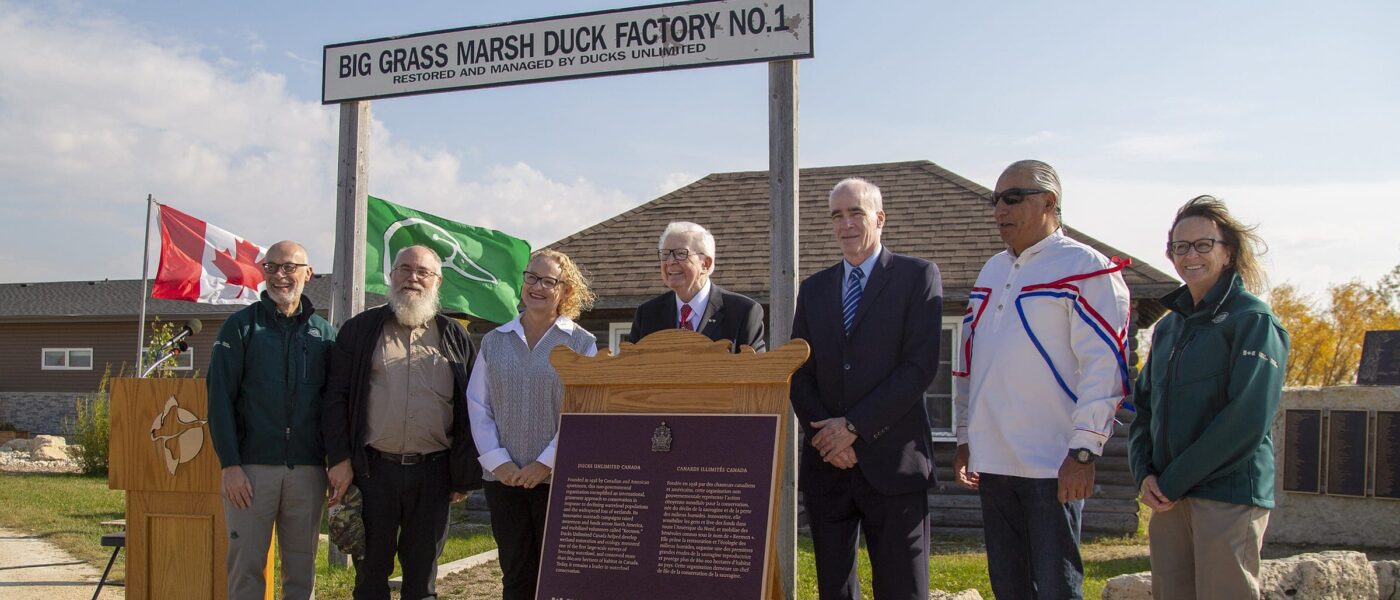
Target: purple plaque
{"x": 659, "y": 506}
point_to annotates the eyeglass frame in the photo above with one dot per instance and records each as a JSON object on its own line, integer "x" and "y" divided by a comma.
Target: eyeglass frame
{"x": 541, "y": 280}
{"x": 270, "y": 268}
{"x": 414, "y": 273}
{"x": 1192, "y": 245}
{"x": 1020, "y": 195}
{"x": 675, "y": 254}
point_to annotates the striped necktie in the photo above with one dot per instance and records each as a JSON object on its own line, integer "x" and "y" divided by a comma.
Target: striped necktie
{"x": 852, "y": 300}
{"x": 685, "y": 323}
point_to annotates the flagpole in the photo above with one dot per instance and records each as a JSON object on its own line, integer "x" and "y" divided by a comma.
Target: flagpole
{"x": 145, "y": 266}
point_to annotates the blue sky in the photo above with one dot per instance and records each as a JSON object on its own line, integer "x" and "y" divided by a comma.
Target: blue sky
{"x": 1288, "y": 110}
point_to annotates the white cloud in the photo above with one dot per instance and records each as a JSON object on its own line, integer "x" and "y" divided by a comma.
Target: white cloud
{"x": 1170, "y": 146}
{"x": 674, "y": 181}
{"x": 95, "y": 114}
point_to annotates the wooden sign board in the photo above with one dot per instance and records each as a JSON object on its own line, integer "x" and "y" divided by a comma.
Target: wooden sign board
{"x": 611, "y": 438}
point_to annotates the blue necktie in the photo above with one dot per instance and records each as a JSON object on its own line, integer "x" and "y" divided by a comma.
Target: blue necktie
{"x": 852, "y": 299}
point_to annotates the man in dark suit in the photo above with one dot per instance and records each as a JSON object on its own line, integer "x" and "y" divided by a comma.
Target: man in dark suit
{"x": 687, "y": 254}
{"x": 873, "y": 322}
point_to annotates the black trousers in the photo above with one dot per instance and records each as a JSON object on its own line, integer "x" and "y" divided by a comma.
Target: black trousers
{"x": 896, "y": 533}
{"x": 405, "y": 514}
{"x": 517, "y": 523}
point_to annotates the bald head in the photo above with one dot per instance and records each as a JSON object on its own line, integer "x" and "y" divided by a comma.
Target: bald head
{"x": 286, "y": 271}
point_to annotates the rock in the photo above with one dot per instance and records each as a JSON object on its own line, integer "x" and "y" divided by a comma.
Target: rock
{"x": 40, "y": 441}
{"x": 1387, "y": 573}
{"x": 49, "y": 453}
{"x": 1135, "y": 586}
{"x": 967, "y": 594}
{"x": 1337, "y": 574}
{"x": 16, "y": 445}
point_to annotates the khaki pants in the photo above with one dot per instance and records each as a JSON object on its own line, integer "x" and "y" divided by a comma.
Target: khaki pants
{"x": 1206, "y": 549}
{"x": 292, "y": 499}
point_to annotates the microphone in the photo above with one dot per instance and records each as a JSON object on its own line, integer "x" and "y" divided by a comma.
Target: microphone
{"x": 192, "y": 327}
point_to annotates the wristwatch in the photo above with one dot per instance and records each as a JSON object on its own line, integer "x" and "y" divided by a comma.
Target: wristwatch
{"x": 852, "y": 428}
{"x": 1082, "y": 456}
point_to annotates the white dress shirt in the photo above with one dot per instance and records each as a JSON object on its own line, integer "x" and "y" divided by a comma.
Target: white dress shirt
{"x": 698, "y": 304}
{"x": 1044, "y": 333}
{"x": 490, "y": 453}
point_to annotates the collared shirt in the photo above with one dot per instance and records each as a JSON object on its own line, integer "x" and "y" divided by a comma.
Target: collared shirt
{"x": 698, "y": 304}
{"x": 865, "y": 268}
{"x": 1042, "y": 369}
{"x": 410, "y": 391}
{"x": 491, "y": 452}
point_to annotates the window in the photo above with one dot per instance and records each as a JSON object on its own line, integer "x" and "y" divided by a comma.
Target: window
{"x": 66, "y": 359}
{"x": 617, "y": 332}
{"x": 939, "y": 395}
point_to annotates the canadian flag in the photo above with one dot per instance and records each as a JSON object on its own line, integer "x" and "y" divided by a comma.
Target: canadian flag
{"x": 202, "y": 263}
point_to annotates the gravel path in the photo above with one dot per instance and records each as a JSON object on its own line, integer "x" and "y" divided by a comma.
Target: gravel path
{"x": 33, "y": 569}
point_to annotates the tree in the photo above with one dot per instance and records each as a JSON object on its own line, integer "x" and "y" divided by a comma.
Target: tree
{"x": 1325, "y": 342}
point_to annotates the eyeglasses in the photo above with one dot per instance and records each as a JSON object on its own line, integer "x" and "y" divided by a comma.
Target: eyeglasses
{"x": 679, "y": 254}
{"x": 1202, "y": 246}
{"x": 545, "y": 282}
{"x": 283, "y": 268}
{"x": 1014, "y": 196}
{"x": 408, "y": 272}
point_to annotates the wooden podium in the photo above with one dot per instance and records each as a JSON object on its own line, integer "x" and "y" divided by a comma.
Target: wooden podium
{"x": 684, "y": 373}
{"x": 162, "y": 455}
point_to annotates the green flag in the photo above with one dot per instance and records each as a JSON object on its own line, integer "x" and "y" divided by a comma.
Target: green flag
{"x": 482, "y": 268}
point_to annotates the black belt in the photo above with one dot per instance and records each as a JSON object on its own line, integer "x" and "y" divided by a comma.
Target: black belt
{"x": 406, "y": 459}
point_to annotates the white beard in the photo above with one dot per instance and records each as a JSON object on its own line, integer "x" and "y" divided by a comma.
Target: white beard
{"x": 414, "y": 311}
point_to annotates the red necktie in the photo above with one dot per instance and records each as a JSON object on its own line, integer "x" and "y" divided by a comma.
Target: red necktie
{"x": 685, "y": 318}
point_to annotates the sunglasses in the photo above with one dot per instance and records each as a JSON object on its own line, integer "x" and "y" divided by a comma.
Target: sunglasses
{"x": 1014, "y": 196}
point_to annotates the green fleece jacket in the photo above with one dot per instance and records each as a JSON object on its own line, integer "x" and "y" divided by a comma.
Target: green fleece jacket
{"x": 265, "y": 380}
{"x": 1207, "y": 398}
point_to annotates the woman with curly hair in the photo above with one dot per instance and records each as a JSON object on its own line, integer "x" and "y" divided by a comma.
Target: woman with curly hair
{"x": 513, "y": 399}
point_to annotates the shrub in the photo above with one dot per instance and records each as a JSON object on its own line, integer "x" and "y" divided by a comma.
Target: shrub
{"x": 92, "y": 429}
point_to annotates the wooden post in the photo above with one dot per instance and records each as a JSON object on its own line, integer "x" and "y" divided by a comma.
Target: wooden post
{"x": 782, "y": 270}
{"x": 352, "y": 190}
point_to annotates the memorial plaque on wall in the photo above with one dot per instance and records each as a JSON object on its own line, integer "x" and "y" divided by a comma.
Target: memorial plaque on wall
{"x": 1380, "y": 359}
{"x": 1302, "y": 450}
{"x": 645, "y": 503}
{"x": 1386, "y": 445}
{"x": 1346, "y": 452}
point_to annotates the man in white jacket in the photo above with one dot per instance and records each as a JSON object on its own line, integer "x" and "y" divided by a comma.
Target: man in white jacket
{"x": 1041, "y": 374}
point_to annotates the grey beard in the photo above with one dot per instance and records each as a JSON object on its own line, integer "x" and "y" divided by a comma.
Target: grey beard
{"x": 413, "y": 312}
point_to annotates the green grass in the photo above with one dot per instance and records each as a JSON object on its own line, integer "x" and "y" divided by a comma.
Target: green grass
{"x": 960, "y": 563}
{"x": 68, "y": 509}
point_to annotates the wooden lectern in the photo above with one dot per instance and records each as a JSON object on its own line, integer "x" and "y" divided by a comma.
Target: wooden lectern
{"x": 683, "y": 372}
{"x": 161, "y": 454}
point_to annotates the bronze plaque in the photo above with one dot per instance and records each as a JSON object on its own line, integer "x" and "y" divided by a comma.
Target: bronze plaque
{"x": 1380, "y": 359}
{"x": 1386, "y": 445}
{"x": 1302, "y": 450}
{"x": 1346, "y": 453}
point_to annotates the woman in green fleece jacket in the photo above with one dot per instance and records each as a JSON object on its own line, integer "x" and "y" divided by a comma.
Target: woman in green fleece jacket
{"x": 1200, "y": 447}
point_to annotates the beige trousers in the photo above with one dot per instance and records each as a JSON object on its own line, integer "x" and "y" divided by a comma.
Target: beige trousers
{"x": 293, "y": 500}
{"x": 1206, "y": 549}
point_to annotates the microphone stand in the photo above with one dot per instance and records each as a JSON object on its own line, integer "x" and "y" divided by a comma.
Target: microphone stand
{"x": 174, "y": 351}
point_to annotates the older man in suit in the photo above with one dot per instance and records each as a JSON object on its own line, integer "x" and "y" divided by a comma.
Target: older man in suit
{"x": 872, "y": 321}
{"x": 687, "y": 254}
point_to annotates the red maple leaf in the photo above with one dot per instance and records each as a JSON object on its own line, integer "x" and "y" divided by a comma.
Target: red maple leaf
{"x": 241, "y": 270}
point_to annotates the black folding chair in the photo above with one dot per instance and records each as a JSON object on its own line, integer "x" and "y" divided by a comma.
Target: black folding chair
{"x": 115, "y": 541}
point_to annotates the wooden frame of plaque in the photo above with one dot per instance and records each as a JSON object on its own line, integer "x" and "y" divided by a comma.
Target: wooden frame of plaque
{"x": 1294, "y": 480}
{"x": 1340, "y": 426}
{"x": 681, "y": 372}
{"x": 1391, "y": 448}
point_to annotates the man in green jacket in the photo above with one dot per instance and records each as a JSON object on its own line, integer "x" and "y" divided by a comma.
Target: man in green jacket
{"x": 265, "y": 380}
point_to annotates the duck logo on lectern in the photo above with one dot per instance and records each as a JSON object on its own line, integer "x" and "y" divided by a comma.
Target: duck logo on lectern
{"x": 185, "y": 442}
